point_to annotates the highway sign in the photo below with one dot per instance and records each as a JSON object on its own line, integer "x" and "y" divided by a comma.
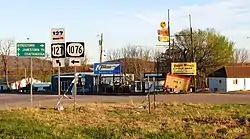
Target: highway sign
{"x": 107, "y": 68}
{"x": 58, "y": 50}
{"x": 31, "y": 49}
{"x": 57, "y": 34}
{"x": 75, "y": 49}
{"x": 58, "y": 62}
{"x": 73, "y": 62}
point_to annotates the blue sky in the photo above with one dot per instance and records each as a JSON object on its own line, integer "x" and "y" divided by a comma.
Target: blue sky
{"x": 122, "y": 22}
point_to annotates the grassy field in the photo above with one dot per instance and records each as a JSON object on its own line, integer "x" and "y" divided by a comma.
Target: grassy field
{"x": 107, "y": 121}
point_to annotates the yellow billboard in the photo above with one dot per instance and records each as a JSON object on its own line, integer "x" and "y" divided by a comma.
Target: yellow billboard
{"x": 163, "y": 33}
{"x": 177, "y": 82}
{"x": 163, "y": 38}
{"x": 184, "y": 68}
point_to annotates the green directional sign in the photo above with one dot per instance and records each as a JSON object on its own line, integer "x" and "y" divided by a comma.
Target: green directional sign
{"x": 31, "y": 49}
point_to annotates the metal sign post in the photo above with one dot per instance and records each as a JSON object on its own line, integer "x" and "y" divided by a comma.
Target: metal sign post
{"x": 59, "y": 82}
{"x": 30, "y": 50}
{"x": 31, "y": 81}
{"x": 58, "y": 52}
{"x": 58, "y": 60}
{"x": 75, "y": 88}
{"x": 75, "y": 51}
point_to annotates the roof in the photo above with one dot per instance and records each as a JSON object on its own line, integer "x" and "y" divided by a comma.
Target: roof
{"x": 232, "y": 72}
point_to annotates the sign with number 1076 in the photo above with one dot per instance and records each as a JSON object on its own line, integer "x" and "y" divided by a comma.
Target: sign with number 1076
{"x": 75, "y": 49}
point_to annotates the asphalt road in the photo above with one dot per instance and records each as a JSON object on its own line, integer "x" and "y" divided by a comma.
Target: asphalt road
{"x": 19, "y": 100}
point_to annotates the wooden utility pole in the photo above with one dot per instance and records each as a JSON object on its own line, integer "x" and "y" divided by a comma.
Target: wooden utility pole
{"x": 101, "y": 47}
{"x": 101, "y": 51}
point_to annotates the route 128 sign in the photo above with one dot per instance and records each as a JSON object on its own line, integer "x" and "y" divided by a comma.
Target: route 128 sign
{"x": 57, "y": 34}
{"x": 75, "y": 49}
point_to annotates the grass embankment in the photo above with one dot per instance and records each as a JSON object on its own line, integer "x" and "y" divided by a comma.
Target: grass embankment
{"x": 107, "y": 121}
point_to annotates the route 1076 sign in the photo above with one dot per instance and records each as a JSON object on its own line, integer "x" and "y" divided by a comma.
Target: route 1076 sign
{"x": 75, "y": 49}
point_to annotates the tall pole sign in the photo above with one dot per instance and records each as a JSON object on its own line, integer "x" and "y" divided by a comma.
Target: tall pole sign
{"x": 163, "y": 33}
{"x": 58, "y": 52}
{"x": 75, "y": 51}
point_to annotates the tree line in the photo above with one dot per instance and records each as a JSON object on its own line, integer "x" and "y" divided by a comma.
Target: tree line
{"x": 208, "y": 48}
{"x": 14, "y": 68}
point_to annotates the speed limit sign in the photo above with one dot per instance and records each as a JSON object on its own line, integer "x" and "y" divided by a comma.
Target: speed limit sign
{"x": 75, "y": 49}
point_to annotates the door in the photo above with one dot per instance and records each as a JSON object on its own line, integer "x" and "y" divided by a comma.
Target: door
{"x": 244, "y": 84}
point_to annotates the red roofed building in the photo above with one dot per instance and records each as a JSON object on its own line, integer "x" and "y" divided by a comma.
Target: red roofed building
{"x": 230, "y": 78}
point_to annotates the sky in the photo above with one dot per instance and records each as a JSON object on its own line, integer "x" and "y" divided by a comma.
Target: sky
{"x": 121, "y": 22}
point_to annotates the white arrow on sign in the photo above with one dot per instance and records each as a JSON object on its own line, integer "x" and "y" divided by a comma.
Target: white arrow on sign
{"x": 42, "y": 45}
{"x": 106, "y": 67}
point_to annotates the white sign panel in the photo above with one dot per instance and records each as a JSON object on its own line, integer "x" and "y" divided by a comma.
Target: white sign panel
{"x": 58, "y": 62}
{"x": 75, "y": 49}
{"x": 74, "y": 62}
{"x": 57, "y": 34}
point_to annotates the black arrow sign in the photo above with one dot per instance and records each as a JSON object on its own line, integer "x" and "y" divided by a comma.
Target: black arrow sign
{"x": 74, "y": 61}
{"x": 58, "y": 62}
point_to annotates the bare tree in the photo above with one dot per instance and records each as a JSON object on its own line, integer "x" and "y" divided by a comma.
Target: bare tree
{"x": 6, "y": 47}
{"x": 45, "y": 66}
{"x": 113, "y": 54}
{"x": 240, "y": 56}
{"x": 85, "y": 60}
{"x": 135, "y": 59}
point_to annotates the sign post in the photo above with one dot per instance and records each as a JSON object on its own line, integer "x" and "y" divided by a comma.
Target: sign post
{"x": 75, "y": 51}
{"x": 31, "y": 50}
{"x": 108, "y": 68}
{"x": 58, "y": 60}
{"x": 58, "y": 52}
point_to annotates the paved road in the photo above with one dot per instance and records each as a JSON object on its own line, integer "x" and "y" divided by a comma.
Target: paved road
{"x": 18, "y": 100}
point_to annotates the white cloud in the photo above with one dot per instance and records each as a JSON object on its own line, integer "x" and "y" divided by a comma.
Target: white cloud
{"x": 229, "y": 17}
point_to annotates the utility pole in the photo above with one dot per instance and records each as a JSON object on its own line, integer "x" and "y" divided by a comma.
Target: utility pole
{"x": 169, "y": 42}
{"x": 193, "y": 51}
{"x": 101, "y": 50}
{"x": 173, "y": 51}
{"x": 101, "y": 47}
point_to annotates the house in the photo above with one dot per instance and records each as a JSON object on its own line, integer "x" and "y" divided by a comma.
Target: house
{"x": 230, "y": 78}
{"x": 3, "y": 87}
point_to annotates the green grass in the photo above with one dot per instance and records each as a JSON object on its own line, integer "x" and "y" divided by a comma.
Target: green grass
{"x": 111, "y": 121}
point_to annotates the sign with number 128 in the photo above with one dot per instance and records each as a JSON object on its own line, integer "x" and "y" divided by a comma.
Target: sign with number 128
{"x": 58, "y": 34}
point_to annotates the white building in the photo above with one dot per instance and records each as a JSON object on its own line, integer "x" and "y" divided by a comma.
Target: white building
{"x": 230, "y": 78}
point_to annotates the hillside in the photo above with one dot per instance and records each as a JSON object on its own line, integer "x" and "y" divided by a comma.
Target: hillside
{"x": 42, "y": 68}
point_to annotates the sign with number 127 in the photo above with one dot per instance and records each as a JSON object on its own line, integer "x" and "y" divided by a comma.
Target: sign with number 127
{"x": 58, "y": 34}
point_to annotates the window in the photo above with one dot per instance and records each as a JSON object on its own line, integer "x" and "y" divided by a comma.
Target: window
{"x": 235, "y": 81}
{"x": 219, "y": 81}
{"x": 64, "y": 85}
